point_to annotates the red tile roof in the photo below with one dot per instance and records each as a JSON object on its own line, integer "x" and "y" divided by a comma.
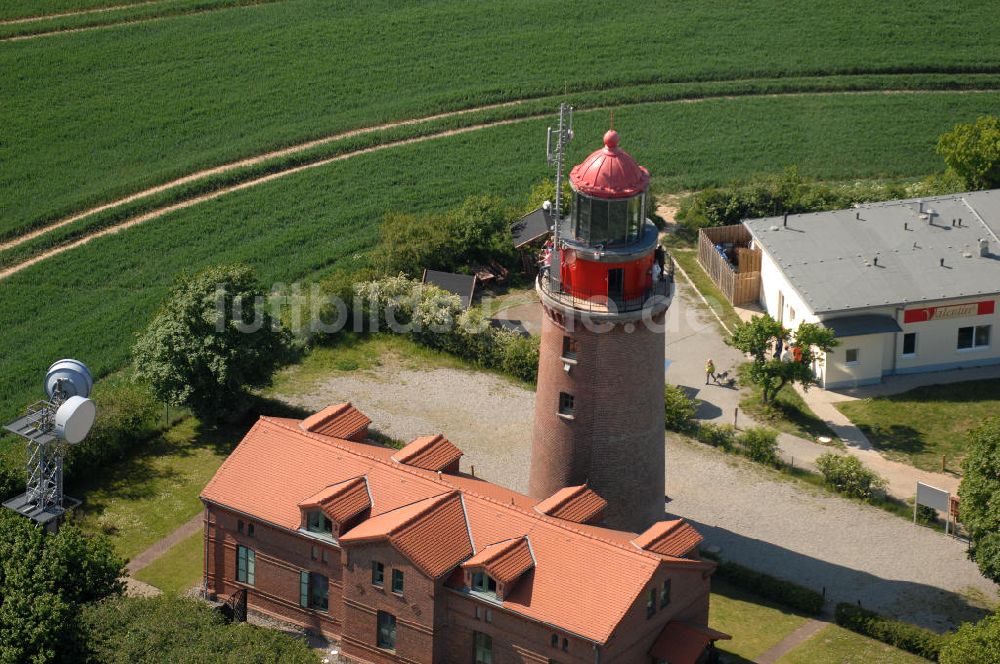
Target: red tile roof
{"x": 278, "y": 465}
{"x": 683, "y": 642}
{"x": 340, "y": 420}
{"x": 504, "y": 561}
{"x": 574, "y": 503}
{"x": 432, "y": 533}
{"x": 429, "y": 452}
{"x": 669, "y": 538}
{"x": 341, "y": 501}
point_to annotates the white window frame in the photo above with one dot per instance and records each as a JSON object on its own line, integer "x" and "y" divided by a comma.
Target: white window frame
{"x": 857, "y": 357}
{"x": 902, "y": 346}
{"x": 974, "y": 347}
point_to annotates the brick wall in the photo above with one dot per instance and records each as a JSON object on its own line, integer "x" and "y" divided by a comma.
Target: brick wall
{"x": 615, "y": 441}
{"x": 280, "y": 557}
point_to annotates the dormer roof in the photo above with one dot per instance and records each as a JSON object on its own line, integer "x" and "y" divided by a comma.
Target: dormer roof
{"x": 579, "y": 504}
{"x": 430, "y": 453}
{"x": 505, "y": 561}
{"x": 341, "y": 501}
{"x": 340, "y": 420}
{"x": 676, "y": 538}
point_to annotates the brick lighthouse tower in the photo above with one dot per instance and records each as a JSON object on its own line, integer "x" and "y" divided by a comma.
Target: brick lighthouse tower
{"x": 599, "y": 403}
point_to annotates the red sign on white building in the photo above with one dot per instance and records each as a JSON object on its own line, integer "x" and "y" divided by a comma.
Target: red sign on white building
{"x": 924, "y": 314}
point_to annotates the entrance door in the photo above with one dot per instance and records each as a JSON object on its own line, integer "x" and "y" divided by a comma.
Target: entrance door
{"x": 616, "y": 285}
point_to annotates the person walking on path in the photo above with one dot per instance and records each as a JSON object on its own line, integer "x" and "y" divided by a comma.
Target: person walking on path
{"x": 709, "y": 370}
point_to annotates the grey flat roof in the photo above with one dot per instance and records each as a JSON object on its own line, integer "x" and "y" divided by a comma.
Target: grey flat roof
{"x": 462, "y": 285}
{"x": 532, "y": 226}
{"x": 855, "y": 326}
{"x": 829, "y": 257}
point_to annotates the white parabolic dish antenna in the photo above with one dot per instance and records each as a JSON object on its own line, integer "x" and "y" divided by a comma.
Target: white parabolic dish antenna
{"x": 74, "y": 419}
{"x": 72, "y": 375}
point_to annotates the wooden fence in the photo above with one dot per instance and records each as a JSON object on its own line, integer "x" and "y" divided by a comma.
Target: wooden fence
{"x": 741, "y": 282}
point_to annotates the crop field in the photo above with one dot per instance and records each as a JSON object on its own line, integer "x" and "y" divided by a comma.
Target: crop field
{"x": 90, "y": 301}
{"x": 94, "y": 114}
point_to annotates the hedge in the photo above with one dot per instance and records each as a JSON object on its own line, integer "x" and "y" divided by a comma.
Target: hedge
{"x": 896, "y": 633}
{"x": 770, "y": 587}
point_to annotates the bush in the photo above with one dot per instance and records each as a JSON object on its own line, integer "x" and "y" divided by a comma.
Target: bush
{"x": 974, "y": 642}
{"x": 770, "y": 587}
{"x": 980, "y": 495}
{"x": 127, "y": 413}
{"x": 896, "y": 633}
{"x": 678, "y": 408}
{"x": 717, "y": 435}
{"x": 759, "y": 444}
{"x": 849, "y": 476}
{"x": 175, "y": 629}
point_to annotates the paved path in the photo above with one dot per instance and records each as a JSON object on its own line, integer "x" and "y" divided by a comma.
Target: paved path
{"x": 159, "y": 548}
{"x": 757, "y": 516}
{"x": 808, "y": 630}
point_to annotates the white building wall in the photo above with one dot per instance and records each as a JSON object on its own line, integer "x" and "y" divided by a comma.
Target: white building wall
{"x": 882, "y": 354}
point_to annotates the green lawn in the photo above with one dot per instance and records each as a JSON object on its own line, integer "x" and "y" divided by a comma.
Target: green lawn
{"x": 788, "y": 413}
{"x": 94, "y": 114}
{"x": 921, "y": 425}
{"x": 836, "y": 645}
{"x": 756, "y": 625}
{"x": 180, "y": 568}
{"x": 153, "y": 492}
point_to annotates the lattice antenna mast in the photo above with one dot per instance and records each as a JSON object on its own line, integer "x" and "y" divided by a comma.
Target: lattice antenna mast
{"x": 555, "y": 151}
{"x": 47, "y": 427}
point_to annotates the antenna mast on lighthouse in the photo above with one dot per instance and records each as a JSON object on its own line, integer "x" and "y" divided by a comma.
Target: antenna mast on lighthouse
{"x": 554, "y": 155}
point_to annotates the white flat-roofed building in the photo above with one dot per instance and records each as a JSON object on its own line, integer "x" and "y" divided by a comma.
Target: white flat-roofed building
{"x": 908, "y": 286}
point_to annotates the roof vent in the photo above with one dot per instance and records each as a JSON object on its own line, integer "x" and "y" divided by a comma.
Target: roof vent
{"x": 984, "y": 247}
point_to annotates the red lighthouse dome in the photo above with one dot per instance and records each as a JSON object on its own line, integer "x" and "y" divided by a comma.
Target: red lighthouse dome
{"x": 610, "y": 172}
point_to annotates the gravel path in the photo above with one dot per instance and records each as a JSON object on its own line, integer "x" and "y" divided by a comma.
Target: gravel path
{"x": 755, "y": 515}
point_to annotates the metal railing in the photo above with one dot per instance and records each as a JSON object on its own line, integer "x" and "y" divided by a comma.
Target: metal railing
{"x": 605, "y": 303}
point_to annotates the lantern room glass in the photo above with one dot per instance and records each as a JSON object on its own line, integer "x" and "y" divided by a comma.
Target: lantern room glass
{"x": 608, "y": 222}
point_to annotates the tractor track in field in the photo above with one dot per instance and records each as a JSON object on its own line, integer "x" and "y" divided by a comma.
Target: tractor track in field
{"x": 82, "y": 12}
{"x": 301, "y": 147}
{"x": 180, "y": 11}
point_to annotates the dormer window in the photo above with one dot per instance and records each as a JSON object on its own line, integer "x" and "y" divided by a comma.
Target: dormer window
{"x": 484, "y": 583}
{"x": 317, "y": 522}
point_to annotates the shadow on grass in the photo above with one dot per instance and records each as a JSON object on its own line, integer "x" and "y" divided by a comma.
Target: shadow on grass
{"x": 900, "y": 438}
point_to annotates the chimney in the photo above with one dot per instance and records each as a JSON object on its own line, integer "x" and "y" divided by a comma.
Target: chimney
{"x": 984, "y": 247}
{"x": 875, "y": 261}
{"x": 906, "y": 225}
{"x": 942, "y": 262}
{"x": 959, "y": 222}
{"x": 920, "y": 207}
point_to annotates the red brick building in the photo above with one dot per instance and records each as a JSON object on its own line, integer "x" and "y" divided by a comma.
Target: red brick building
{"x": 405, "y": 559}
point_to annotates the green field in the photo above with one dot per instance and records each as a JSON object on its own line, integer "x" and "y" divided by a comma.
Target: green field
{"x": 302, "y": 225}
{"x": 14, "y": 9}
{"x": 924, "y": 424}
{"x": 95, "y": 114}
{"x": 836, "y": 645}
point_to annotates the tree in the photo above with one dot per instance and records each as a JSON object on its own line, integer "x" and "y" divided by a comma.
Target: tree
{"x": 210, "y": 342}
{"x": 972, "y": 150}
{"x": 977, "y": 643}
{"x": 44, "y": 580}
{"x": 980, "y": 496}
{"x": 758, "y": 336}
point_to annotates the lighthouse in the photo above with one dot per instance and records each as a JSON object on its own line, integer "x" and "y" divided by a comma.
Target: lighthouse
{"x": 599, "y": 403}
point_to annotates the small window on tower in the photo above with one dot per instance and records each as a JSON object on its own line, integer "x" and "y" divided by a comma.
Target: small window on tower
{"x": 570, "y": 348}
{"x": 565, "y": 404}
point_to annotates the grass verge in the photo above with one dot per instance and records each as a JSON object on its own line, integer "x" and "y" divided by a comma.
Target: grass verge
{"x": 788, "y": 413}
{"x": 756, "y": 625}
{"x": 180, "y": 568}
{"x": 687, "y": 259}
{"x": 836, "y": 645}
{"x": 921, "y": 426}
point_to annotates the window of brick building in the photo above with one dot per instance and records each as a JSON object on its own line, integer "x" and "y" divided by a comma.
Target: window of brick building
{"x": 570, "y": 348}
{"x": 397, "y": 581}
{"x": 565, "y": 646}
{"x": 483, "y": 648}
{"x": 651, "y": 603}
{"x": 315, "y": 553}
{"x": 250, "y": 529}
{"x": 665, "y": 594}
{"x": 484, "y": 583}
{"x": 317, "y": 522}
{"x": 566, "y": 404}
{"x": 326, "y": 556}
{"x": 246, "y": 565}
{"x": 378, "y": 573}
{"x": 386, "y": 631}
{"x": 239, "y": 526}
{"x": 314, "y": 591}
{"x": 555, "y": 640}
